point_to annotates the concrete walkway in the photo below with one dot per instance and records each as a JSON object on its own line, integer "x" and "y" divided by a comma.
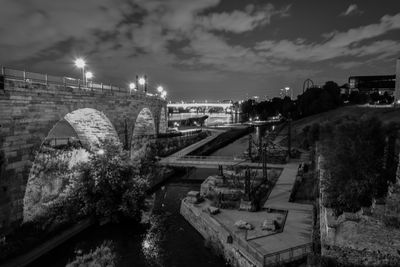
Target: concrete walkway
{"x": 192, "y": 147}
{"x": 299, "y": 221}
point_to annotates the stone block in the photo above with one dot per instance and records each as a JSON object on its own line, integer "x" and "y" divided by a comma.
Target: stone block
{"x": 213, "y": 210}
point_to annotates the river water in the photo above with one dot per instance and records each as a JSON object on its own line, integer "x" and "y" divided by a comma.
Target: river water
{"x": 172, "y": 242}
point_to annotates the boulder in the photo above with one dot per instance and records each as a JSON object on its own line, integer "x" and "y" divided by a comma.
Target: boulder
{"x": 194, "y": 197}
{"x": 268, "y": 225}
{"x": 244, "y": 225}
{"x": 213, "y": 210}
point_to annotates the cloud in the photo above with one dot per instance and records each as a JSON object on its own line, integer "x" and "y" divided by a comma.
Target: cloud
{"x": 351, "y": 10}
{"x": 338, "y": 44}
{"x": 240, "y": 21}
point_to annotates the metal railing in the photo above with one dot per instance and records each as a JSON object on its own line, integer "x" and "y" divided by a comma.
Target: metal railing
{"x": 61, "y": 141}
{"x": 168, "y": 135}
{"x": 212, "y": 158}
{"x": 288, "y": 255}
{"x": 45, "y": 79}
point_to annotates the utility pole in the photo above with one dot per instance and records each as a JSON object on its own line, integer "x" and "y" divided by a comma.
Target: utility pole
{"x": 260, "y": 146}
{"x": 264, "y": 161}
{"x": 289, "y": 135}
{"x": 250, "y": 145}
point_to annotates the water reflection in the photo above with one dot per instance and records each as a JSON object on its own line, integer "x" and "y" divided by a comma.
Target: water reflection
{"x": 152, "y": 242}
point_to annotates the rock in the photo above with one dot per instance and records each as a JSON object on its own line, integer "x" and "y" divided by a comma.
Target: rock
{"x": 194, "y": 197}
{"x": 244, "y": 225}
{"x": 213, "y": 210}
{"x": 268, "y": 225}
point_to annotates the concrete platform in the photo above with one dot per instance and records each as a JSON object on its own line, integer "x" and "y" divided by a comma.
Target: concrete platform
{"x": 293, "y": 242}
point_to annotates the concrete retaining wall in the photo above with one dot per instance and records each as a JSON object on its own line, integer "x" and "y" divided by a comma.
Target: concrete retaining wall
{"x": 213, "y": 232}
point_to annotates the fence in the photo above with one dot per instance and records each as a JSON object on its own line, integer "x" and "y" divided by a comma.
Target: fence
{"x": 168, "y": 135}
{"x": 62, "y": 141}
{"x": 288, "y": 255}
{"x": 45, "y": 79}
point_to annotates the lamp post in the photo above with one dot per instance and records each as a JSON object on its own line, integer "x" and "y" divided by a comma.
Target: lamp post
{"x": 80, "y": 63}
{"x": 132, "y": 87}
{"x": 88, "y": 76}
{"x": 142, "y": 82}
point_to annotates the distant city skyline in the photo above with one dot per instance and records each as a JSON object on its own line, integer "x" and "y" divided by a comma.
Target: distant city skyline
{"x": 209, "y": 49}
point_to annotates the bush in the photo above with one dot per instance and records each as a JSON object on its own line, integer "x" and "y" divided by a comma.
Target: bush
{"x": 391, "y": 221}
{"x": 110, "y": 185}
{"x": 353, "y": 151}
{"x": 102, "y": 256}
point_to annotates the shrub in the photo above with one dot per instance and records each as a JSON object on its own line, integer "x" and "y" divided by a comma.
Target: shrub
{"x": 102, "y": 256}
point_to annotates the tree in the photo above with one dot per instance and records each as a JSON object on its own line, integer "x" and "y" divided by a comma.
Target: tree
{"x": 110, "y": 185}
{"x": 353, "y": 154}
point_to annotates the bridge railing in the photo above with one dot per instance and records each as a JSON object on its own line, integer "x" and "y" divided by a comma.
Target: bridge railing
{"x": 211, "y": 158}
{"x": 45, "y": 79}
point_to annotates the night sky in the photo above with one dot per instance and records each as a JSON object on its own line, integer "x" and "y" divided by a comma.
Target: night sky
{"x": 204, "y": 49}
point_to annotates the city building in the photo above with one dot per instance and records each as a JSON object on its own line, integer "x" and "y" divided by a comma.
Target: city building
{"x": 371, "y": 84}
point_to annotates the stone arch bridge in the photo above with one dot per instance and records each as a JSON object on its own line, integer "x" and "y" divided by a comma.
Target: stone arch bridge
{"x": 31, "y": 111}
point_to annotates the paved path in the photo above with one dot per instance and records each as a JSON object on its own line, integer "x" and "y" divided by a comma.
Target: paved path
{"x": 181, "y": 157}
{"x": 298, "y": 225}
{"x": 192, "y": 147}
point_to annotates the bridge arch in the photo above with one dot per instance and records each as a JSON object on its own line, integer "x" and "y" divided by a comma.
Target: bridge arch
{"x": 144, "y": 129}
{"x": 70, "y": 141}
{"x": 144, "y": 124}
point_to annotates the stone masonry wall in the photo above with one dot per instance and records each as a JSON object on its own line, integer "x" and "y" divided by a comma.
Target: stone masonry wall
{"x": 27, "y": 114}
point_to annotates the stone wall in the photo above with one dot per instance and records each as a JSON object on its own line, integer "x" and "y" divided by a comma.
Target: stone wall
{"x": 29, "y": 111}
{"x": 214, "y": 233}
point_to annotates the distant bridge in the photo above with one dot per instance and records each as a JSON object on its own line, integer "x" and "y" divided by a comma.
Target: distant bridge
{"x": 201, "y": 106}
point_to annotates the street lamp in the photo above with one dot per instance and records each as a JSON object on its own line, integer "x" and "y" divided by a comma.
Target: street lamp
{"x": 132, "y": 86}
{"x": 142, "y": 81}
{"x": 88, "y": 76}
{"x": 160, "y": 89}
{"x": 80, "y": 63}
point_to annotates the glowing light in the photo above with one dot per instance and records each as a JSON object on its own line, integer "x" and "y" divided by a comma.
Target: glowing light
{"x": 146, "y": 244}
{"x": 287, "y": 88}
{"x": 80, "y": 63}
{"x": 160, "y": 89}
{"x": 89, "y": 75}
{"x": 142, "y": 81}
{"x": 132, "y": 86}
{"x": 100, "y": 152}
{"x": 164, "y": 94}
